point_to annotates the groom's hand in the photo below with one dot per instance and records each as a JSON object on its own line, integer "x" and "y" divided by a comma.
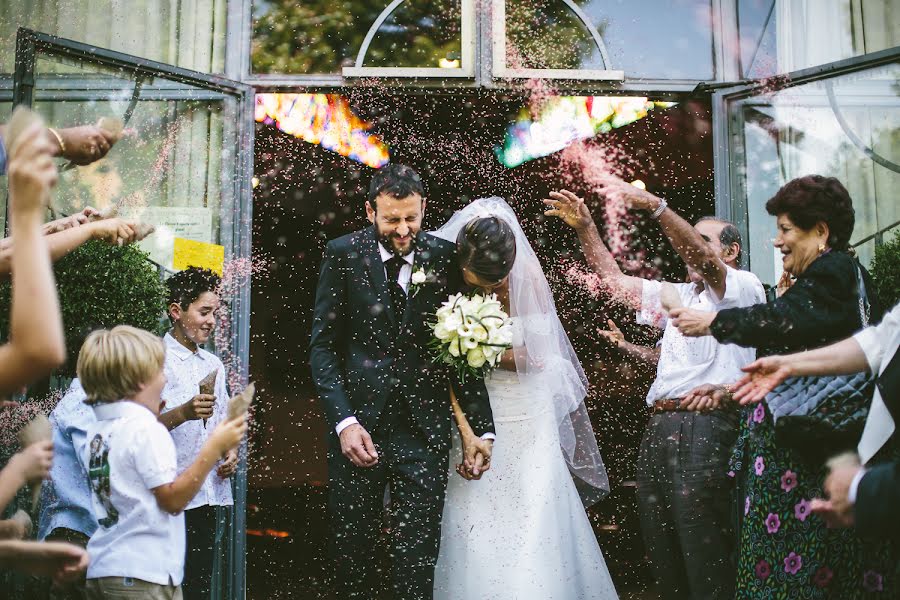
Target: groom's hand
{"x": 356, "y": 444}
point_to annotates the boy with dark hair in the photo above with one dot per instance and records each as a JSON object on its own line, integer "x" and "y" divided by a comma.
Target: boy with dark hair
{"x": 192, "y": 413}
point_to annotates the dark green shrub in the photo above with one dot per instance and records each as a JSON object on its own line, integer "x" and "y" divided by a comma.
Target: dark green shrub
{"x": 100, "y": 286}
{"x": 885, "y": 269}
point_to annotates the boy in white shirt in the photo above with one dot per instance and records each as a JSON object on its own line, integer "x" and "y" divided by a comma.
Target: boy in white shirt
{"x": 139, "y": 547}
{"x": 191, "y": 416}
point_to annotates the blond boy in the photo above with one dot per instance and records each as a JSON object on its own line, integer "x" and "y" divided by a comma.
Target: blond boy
{"x": 137, "y": 496}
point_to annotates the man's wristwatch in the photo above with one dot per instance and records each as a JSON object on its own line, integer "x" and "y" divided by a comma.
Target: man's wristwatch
{"x": 659, "y": 211}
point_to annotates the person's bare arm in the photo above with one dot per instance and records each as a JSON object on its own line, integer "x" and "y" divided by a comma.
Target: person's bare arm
{"x": 61, "y": 243}
{"x": 765, "y": 374}
{"x": 36, "y": 344}
{"x": 687, "y": 242}
{"x": 30, "y": 465}
{"x": 476, "y": 451}
{"x": 173, "y": 497}
{"x": 199, "y": 407}
{"x": 59, "y": 560}
{"x": 646, "y": 355}
{"x": 574, "y": 212}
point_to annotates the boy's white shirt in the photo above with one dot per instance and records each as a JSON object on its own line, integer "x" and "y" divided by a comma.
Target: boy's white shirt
{"x": 145, "y": 542}
{"x": 184, "y": 370}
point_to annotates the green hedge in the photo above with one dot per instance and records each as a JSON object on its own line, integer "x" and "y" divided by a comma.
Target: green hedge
{"x": 885, "y": 269}
{"x": 100, "y": 286}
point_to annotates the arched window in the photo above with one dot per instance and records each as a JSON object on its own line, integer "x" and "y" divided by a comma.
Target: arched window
{"x": 548, "y": 39}
{"x": 419, "y": 39}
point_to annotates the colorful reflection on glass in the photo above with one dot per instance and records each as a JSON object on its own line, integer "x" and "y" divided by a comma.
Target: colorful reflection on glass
{"x": 562, "y": 120}
{"x": 324, "y": 119}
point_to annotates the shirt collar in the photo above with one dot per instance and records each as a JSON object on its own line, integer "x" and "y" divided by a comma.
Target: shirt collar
{"x": 387, "y": 255}
{"x": 175, "y": 348}
{"x": 122, "y": 408}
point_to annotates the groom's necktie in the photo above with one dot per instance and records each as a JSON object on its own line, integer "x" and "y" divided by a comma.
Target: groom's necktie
{"x": 398, "y": 296}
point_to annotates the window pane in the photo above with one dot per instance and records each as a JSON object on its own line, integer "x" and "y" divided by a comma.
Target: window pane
{"x": 318, "y": 36}
{"x": 169, "y": 168}
{"x": 758, "y": 44}
{"x": 419, "y": 34}
{"x": 664, "y": 39}
{"x": 546, "y": 34}
{"x": 780, "y": 37}
{"x": 189, "y": 34}
{"x": 797, "y": 132}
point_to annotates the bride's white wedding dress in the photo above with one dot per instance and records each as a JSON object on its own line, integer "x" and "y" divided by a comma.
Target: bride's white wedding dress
{"x": 520, "y": 532}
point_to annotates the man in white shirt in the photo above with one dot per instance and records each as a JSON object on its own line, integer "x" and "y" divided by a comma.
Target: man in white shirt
{"x": 192, "y": 415}
{"x": 684, "y": 495}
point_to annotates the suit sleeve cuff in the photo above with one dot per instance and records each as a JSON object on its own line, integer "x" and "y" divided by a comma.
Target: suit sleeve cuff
{"x": 854, "y": 486}
{"x": 345, "y": 424}
{"x": 489, "y": 436}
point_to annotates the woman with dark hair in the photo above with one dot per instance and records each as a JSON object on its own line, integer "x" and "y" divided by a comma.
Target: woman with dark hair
{"x": 785, "y": 551}
{"x": 522, "y": 531}
{"x": 487, "y": 250}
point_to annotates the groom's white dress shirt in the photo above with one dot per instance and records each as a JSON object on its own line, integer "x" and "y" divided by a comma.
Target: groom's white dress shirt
{"x": 403, "y": 279}
{"x": 687, "y": 362}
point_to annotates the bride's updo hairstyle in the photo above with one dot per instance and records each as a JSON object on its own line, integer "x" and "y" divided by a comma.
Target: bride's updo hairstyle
{"x": 487, "y": 248}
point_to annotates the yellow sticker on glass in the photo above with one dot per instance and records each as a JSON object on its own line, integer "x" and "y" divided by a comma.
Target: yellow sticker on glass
{"x": 188, "y": 253}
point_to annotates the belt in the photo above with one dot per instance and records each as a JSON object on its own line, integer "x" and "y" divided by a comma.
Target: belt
{"x": 667, "y": 405}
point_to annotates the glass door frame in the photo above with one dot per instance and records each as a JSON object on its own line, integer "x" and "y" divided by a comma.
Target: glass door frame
{"x": 236, "y": 211}
{"x": 728, "y": 124}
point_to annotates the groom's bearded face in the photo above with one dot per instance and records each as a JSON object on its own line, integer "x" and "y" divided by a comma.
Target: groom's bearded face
{"x": 397, "y": 221}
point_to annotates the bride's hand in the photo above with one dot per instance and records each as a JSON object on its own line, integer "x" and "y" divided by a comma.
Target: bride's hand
{"x": 476, "y": 457}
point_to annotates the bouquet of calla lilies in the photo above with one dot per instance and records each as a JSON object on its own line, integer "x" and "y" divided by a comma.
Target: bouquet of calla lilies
{"x": 471, "y": 333}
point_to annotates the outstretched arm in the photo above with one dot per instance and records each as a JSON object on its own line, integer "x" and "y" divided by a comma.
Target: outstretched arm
{"x": 61, "y": 243}
{"x": 645, "y": 355}
{"x": 692, "y": 247}
{"x": 36, "y": 345}
{"x": 572, "y": 210}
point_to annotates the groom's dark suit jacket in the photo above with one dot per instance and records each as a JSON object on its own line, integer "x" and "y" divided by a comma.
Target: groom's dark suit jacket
{"x": 362, "y": 350}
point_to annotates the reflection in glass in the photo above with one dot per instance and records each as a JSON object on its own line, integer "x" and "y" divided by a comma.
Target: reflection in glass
{"x": 186, "y": 34}
{"x": 565, "y": 119}
{"x": 324, "y": 119}
{"x": 798, "y": 131}
{"x": 661, "y": 39}
{"x": 419, "y": 34}
{"x": 758, "y": 45}
{"x": 815, "y": 33}
{"x": 167, "y": 169}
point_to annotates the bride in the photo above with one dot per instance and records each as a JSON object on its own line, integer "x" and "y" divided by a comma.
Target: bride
{"x": 521, "y": 532}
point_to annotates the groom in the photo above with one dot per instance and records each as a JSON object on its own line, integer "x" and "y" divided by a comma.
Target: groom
{"x": 386, "y": 401}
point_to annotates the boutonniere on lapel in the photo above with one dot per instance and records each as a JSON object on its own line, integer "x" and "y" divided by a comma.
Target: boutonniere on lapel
{"x": 418, "y": 279}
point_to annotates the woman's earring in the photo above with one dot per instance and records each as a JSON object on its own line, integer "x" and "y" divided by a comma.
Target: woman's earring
{"x": 821, "y": 248}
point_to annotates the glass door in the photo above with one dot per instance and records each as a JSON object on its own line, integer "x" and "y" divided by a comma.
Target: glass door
{"x": 840, "y": 120}
{"x": 184, "y": 164}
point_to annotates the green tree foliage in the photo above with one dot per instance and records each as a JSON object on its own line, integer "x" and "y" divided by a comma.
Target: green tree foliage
{"x": 885, "y": 269}
{"x": 100, "y": 286}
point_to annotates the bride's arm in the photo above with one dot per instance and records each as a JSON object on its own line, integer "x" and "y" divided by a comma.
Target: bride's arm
{"x": 508, "y": 360}
{"x": 476, "y": 458}
{"x": 462, "y": 423}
